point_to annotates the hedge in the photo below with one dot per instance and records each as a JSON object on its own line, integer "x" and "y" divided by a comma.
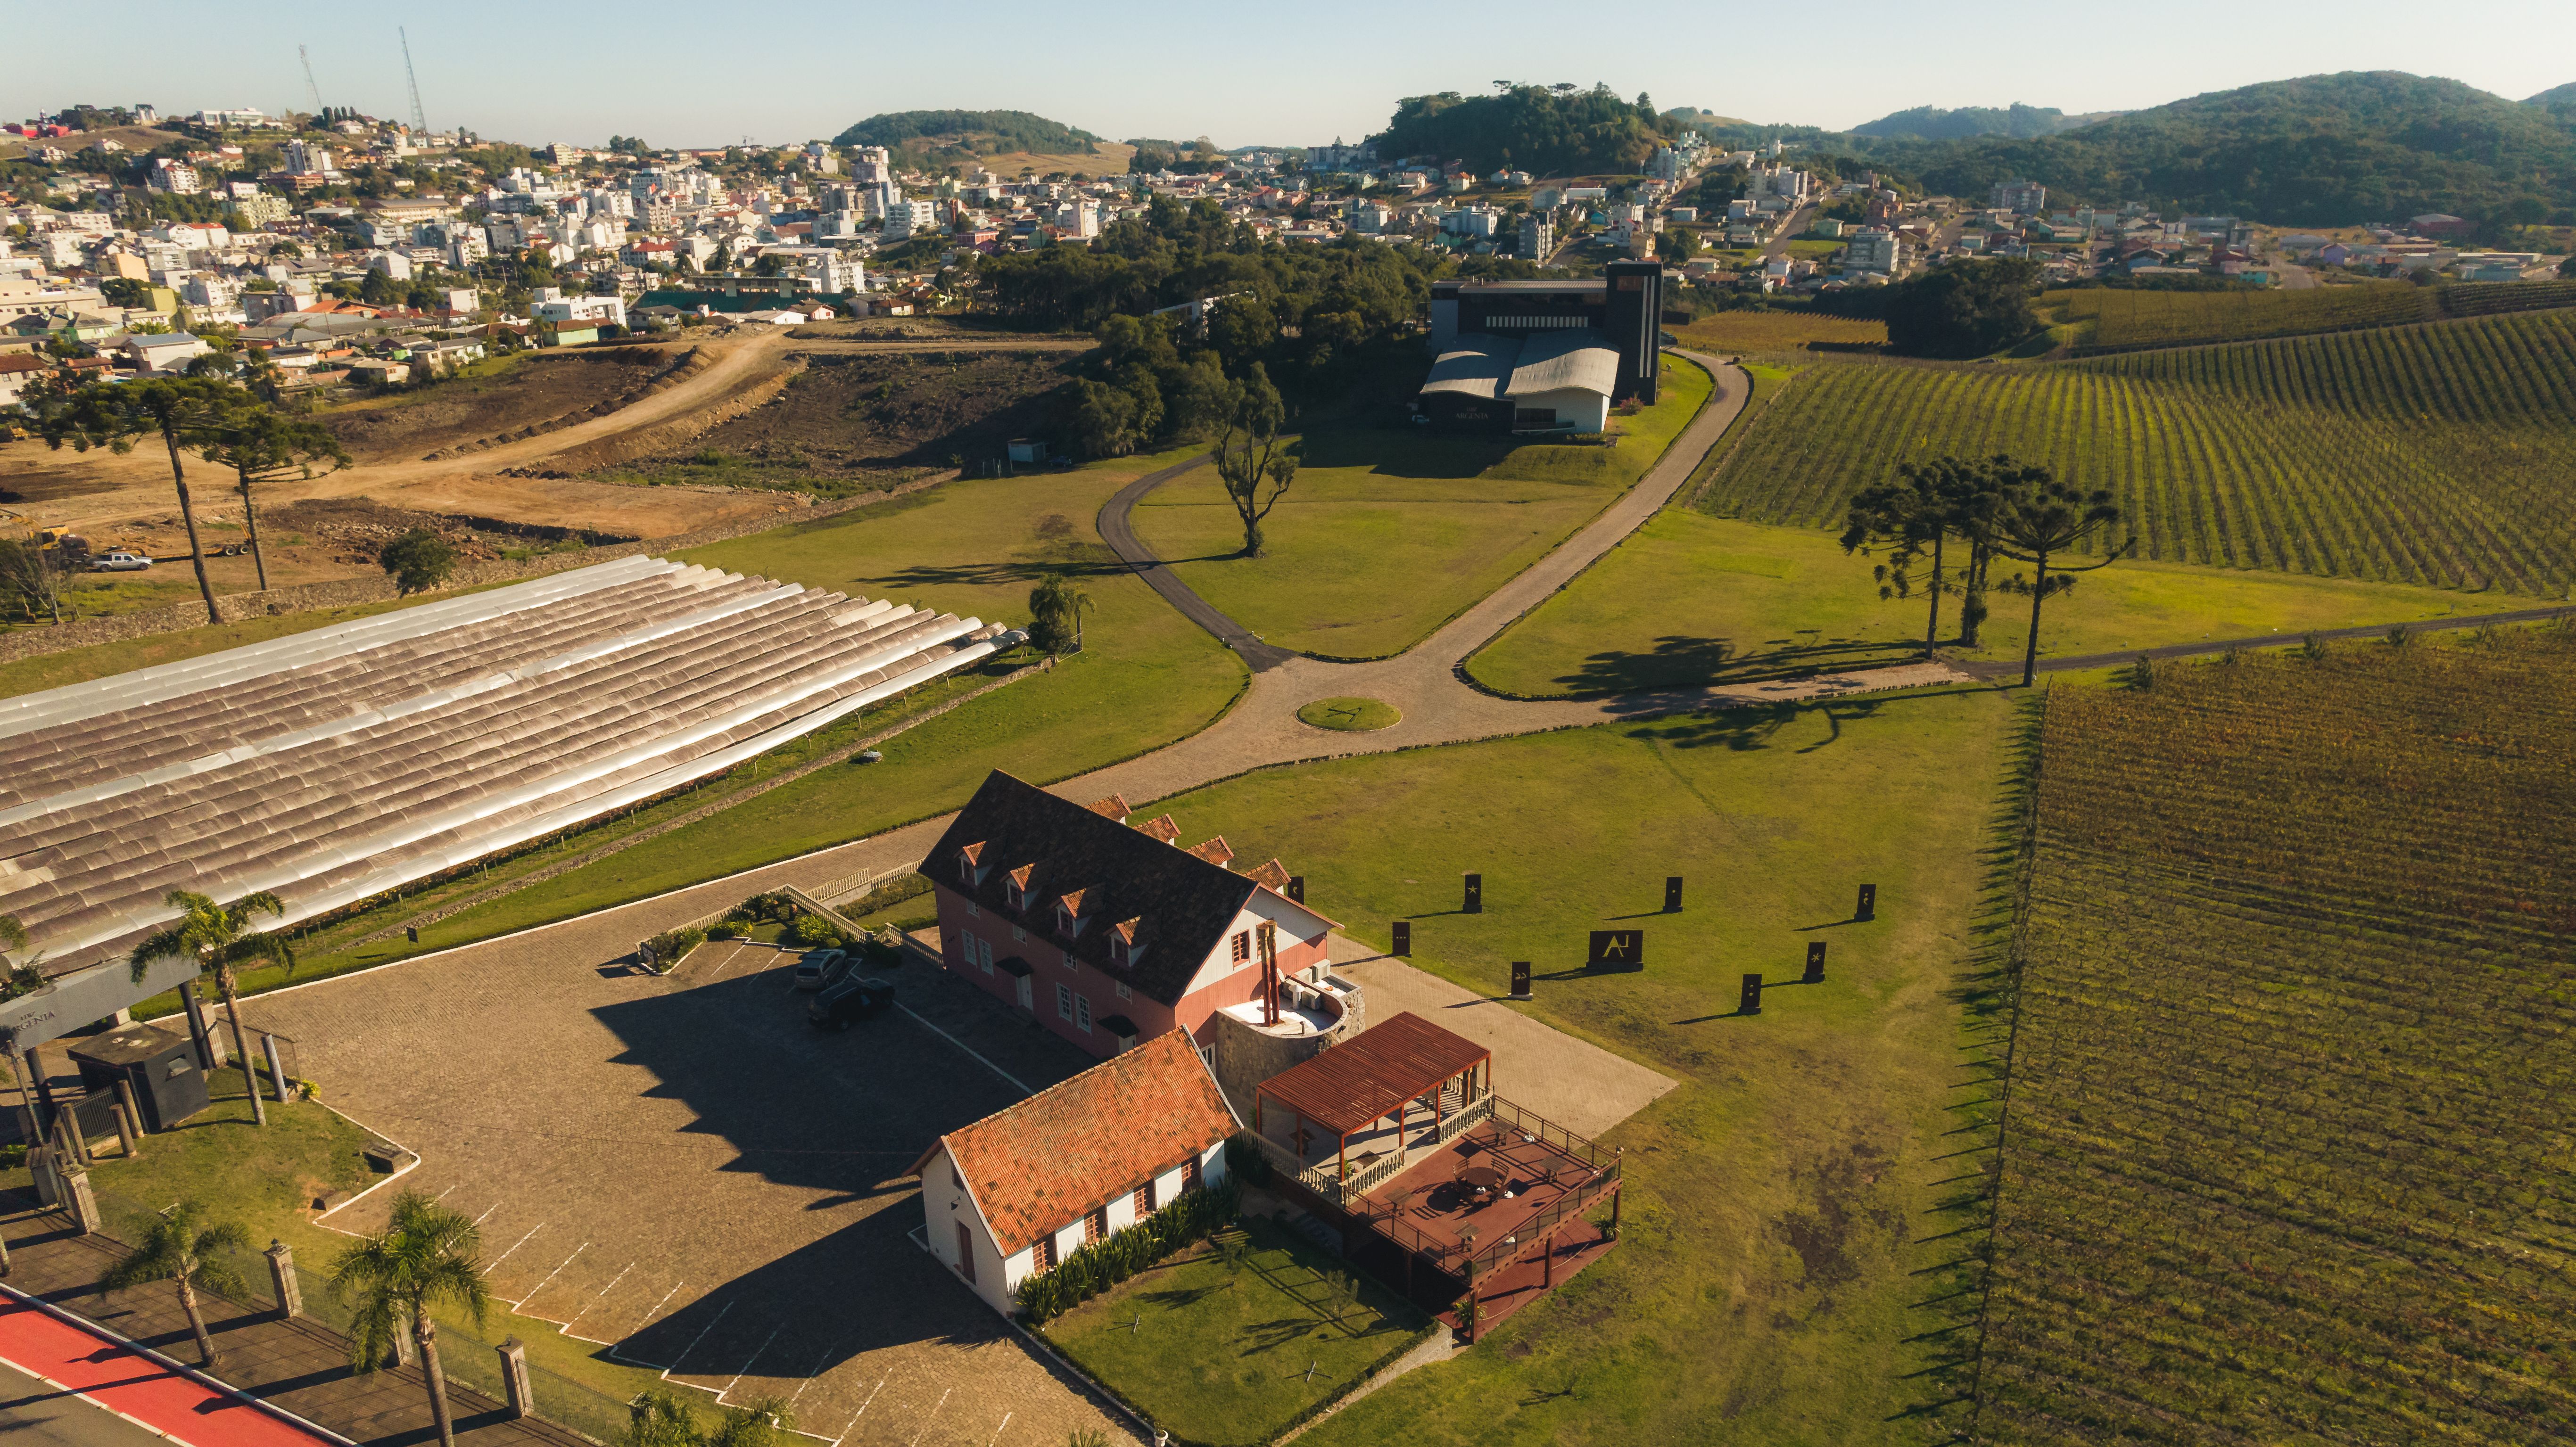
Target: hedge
{"x": 1100, "y": 1265}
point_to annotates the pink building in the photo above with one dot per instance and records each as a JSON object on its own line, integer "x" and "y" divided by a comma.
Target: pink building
{"x": 1110, "y": 934}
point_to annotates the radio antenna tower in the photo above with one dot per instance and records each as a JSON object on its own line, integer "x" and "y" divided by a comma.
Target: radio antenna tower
{"x": 419, "y": 122}
{"x": 310, "y": 88}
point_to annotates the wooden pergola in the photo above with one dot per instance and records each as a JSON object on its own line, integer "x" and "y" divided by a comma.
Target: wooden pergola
{"x": 1384, "y": 1071}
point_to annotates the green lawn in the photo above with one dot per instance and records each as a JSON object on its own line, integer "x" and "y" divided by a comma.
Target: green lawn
{"x": 1692, "y": 599}
{"x": 1148, "y": 677}
{"x": 1781, "y": 1279}
{"x": 1217, "y": 1354}
{"x": 1350, "y": 715}
{"x": 1386, "y": 535}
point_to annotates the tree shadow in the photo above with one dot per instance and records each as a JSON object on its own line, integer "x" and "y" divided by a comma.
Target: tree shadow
{"x": 1388, "y": 453}
{"x": 1681, "y": 660}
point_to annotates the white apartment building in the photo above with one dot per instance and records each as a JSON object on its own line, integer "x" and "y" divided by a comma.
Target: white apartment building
{"x": 178, "y": 178}
{"x": 904, "y": 218}
{"x": 305, "y": 158}
{"x": 1873, "y": 248}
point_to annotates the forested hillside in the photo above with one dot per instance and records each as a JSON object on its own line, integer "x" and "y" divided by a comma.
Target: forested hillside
{"x": 990, "y": 132}
{"x": 1932, "y": 123}
{"x": 1554, "y": 131}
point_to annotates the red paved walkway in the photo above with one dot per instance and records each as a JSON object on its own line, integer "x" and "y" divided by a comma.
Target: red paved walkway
{"x": 134, "y": 1386}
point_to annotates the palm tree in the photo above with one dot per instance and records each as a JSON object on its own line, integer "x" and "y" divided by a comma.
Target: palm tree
{"x": 426, "y": 1255}
{"x": 663, "y": 1418}
{"x": 261, "y": 444}
{"x": 217, "y": 937}
{"x": 187, "y": 1251}
{"x": 179, "y": 410}
{"x": 19, "y": 977}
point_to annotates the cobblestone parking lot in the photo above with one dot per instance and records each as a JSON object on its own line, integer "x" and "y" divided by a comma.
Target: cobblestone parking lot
{"x": 685, "y": 1172}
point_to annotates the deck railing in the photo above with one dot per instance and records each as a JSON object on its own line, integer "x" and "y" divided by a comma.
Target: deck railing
{"x": 1327, "y": 1181}
{"x": 1502, "y": 1253}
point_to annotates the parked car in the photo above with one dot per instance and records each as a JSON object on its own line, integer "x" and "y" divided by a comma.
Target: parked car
{"x": 817, "y": 968}
{"x": 856, "y": 997}
{"x": 118, "y": 560}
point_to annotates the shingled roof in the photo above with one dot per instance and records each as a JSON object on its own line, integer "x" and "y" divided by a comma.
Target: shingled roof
{"x": 1042, "y": 1164}
{"x": 1180, "y": 902}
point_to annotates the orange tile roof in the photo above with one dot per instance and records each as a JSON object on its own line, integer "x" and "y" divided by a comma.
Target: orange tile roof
{"x": 1373, "y": 1072}
{"x": 1163, "y": 829}
{"x": 1048, "y": 1161}
{"x": 1113, "y": 807}
{"x": 1273, "y": 874}
{"x": 1214, "y": 851}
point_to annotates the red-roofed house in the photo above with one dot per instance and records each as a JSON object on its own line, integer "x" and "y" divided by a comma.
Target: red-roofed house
{"x": 1013, "y": 1194}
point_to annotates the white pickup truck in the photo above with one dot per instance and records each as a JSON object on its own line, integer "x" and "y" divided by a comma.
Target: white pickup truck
{"x": 118, "y": 560}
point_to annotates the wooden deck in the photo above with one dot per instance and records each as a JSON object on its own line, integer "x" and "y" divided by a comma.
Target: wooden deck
{"x": 1549, "y": 1180}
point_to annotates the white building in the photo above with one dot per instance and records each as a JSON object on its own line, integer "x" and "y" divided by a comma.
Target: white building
{"x": 1538, "y": 238}
{"x": 395, "y": 265}
{"x": 1873, "y": 248}
{"x": 551, "y": 305}
{"x": 819, "y": 157}
{"x": 903, "y": 218}
{"x": 1078, "y": 219}
{"x": 2023, "y": 198}
{"x": 175, "y": 177}
{"x": 1014, "y": 1194}
{"x": 305, "y": 158}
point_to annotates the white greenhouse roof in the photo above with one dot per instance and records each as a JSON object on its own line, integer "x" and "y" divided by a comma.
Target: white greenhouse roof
{"x": 335, "y": 765}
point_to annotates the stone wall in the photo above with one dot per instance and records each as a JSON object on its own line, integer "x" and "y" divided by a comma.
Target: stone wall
{"x": 349, "y": 592}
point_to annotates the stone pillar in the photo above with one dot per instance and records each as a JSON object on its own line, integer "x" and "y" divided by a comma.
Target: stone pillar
{"x": 197, "y": 1032}
{"x": 281, "y": 1275}
{"x": 133, "y": 1107}
{"x": 42, "y": 1165}
{"x": 514, "y": 1377}
{"x": 67, "y": 1129}
{"x": 83, "y": 1205}
{"x": 129, "y": 1133}
{"x": 276, "y": 1070}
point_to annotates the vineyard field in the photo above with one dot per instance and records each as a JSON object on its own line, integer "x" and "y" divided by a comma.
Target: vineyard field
{"x": 2432, "y": 455}
{"x": 2286, "y": 1155}
{"x": 2124, "y": 320}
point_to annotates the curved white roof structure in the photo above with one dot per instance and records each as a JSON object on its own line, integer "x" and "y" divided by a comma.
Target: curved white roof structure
{"x": 334, "y": 765}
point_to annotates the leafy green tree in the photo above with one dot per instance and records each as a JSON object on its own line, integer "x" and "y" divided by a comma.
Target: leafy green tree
{"x": 20, "y": 975}
{"x": 1252, "y": 459}
{"x": 2045, "y": 518}
{"x": 1927, "y": 505}
{"x": 261, "y": 444}
{"x": 1103, "y": 420}
{"x": 33, "y": 578}
{"x": 187, "y": 1251}
{"x": 419, "y": 560}
{"x": 219, "y": 938}
{"x": 1966, "y": 309}
{"x": 1676, "y": 246}
{"x": 1056, "y": 606}
{"x": 181, "y": 411}
{"x": 427, "y": 1255}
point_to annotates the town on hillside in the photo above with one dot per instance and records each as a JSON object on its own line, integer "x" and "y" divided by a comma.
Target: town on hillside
{"x": 1564, "y": 770}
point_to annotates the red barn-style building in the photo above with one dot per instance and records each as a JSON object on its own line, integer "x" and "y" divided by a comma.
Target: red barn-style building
{"x": 1110, "y": 934}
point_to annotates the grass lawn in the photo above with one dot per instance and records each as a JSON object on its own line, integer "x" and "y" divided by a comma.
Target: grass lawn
{"x": 1693, "y": 599}
{"x": 1351, "y": 715}
{"x": 1780, "y": 1279}
{"x": 974, "y": 548}
{"x": 1386, "y": 535}
{"x": 266, "y": 1179}
{"x": 1217, "y": 1354}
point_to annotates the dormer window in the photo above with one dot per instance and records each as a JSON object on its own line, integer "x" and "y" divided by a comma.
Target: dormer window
{"x": 1015, "y": 890}
{"x": 969, "y": 865}
{"x": 1068, "y": 914}
{"x": 1124, "y": 949}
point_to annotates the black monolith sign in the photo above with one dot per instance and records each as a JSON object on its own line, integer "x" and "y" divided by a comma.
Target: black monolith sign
{"x": 411, "y": 933}
{"x": 1815, "y": 962}
{"x": 1868, "y": 903}
{"x": 1297, "y": 888}
{"x": 1752, "y": 1003}
{"x": 1520, "y": 979}
{"x": 1475, "y": 903}
{"x": 1403, "y": 939}
{"x": 1672, "y": 894}
{"x": 1617, "y": 949}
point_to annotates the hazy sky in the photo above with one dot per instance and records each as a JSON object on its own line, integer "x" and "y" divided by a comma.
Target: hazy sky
{"x": 791, "y": 70}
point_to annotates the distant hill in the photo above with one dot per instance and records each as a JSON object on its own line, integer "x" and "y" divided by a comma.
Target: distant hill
{"x": 2557, "y": 98}
{"x": 2018, "y": 121}
{"x": 2321, "y": 150}
{"x": 972, "y": 132}
{"x": 1533, "y": 127}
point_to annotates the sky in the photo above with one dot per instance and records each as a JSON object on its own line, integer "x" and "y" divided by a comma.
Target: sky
{"x": 783, "y": 71}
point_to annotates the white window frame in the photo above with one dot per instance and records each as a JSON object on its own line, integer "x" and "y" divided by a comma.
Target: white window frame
{"x": 1123, "y": 992}
{"x": 986, "y": 951}
{"x": 1063, "y": 1001}
{"x": 973, "y": 911}
{"x": 1082, "y": 1013}
{"x": 1019, "y": 935}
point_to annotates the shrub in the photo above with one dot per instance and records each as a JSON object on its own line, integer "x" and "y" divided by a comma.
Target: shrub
{"x": 770, "y": 906}
{"x": 670, "y": 945}
{"x": 723, "y": 930}
{"x": 1102, "y": 1264}
{"x": 816, "y": 932}
{"x": 419, "y": 560}
{"x": 1245, "y": 1162}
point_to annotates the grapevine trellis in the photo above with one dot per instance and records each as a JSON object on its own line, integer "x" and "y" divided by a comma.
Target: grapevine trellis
{"x": 2433, "y": 455}
{"x": 2290, "y": 1154}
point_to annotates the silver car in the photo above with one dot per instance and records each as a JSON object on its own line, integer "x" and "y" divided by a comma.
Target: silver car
{"x": 119, "y": 561}
{"x": 817, "y": 968}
